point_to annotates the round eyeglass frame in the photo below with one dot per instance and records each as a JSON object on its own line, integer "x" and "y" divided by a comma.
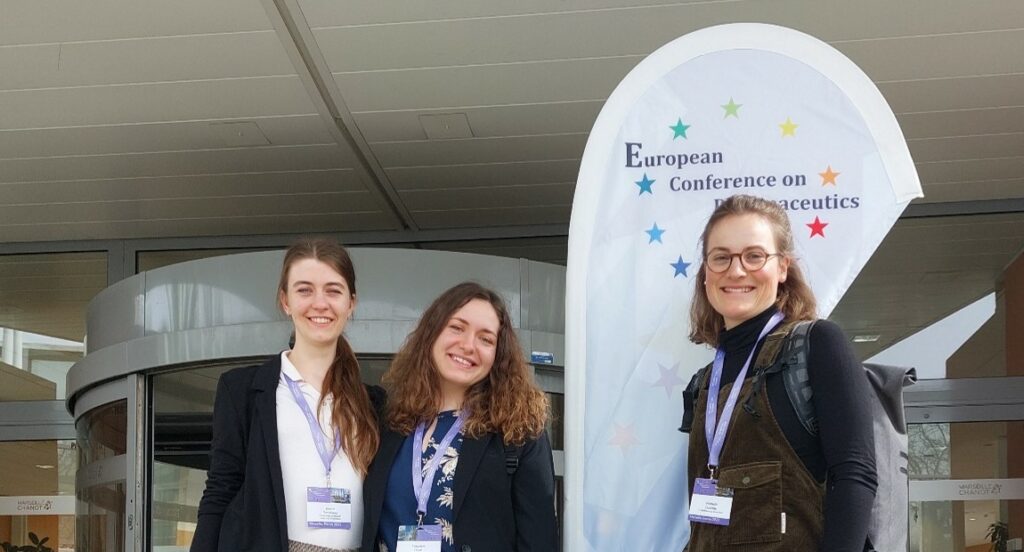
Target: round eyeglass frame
{"x": 743, "y": 262}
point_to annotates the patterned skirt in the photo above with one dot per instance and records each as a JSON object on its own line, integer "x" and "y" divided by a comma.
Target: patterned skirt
{"x": 296, "y": 546}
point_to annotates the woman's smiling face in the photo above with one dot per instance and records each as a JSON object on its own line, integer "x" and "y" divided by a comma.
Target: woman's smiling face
{"x": 737, "y": 294}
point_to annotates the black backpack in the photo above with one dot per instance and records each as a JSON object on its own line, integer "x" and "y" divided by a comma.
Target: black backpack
{"x": 786, "y": 351}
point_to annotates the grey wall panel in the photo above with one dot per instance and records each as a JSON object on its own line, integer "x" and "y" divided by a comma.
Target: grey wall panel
{"x": 400, "y": 284}
{"x": 116, "y": 314}
{"x": 219, "y": 291}
{"x": 545, "y": 297}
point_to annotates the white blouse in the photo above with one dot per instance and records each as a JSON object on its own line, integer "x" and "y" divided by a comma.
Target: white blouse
{"x": 301, "y": 466}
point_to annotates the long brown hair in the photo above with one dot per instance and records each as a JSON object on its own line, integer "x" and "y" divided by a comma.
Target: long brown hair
{"x": 507, "y": 401}
{"x": 795, "y": 298}
{"x": 352, "y": 413}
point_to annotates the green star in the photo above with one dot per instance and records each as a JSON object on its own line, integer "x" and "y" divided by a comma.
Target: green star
{"x": 732, "y": 108}
{"x": 679, "y": 129}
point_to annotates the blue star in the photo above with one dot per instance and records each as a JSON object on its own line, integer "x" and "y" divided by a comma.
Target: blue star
{"x": 679, "y": 129}
{"x": 645, "y": 185}
{"x": 655, "y": 234}
{"x": 680, "y": 267}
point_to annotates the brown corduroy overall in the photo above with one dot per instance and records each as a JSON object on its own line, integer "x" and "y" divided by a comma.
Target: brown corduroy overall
{"x": 777, "y": 504}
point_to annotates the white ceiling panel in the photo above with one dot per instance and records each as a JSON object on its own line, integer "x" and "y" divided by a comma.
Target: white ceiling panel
{"x": 939, "y": 124}
{"x": 162, "y": 59}
{"x": 237, "y": 160}
{"x": 480, "y": 150}
{"x": 56, "y": 21}
{"x": 154, "y": 137}
{"x": 953, "y": 93}
{"x": 173, "y": 187}
{"x": 984, "y": 146}
{"x": 491, "y": 196}
{"x": 829, "y": 19}
{"x": 504, "y": 216}
{"x": 224, "y": 225}
{"x": 454, "y": 87}
{"x": 999, "y": 168}
{"x": 327, "y": 13}
{"x": 974, "y": 190}
{"x": 491, "y": 174}
{"x": 150, "y": 103}
{"x": 486, "y": 122}
{"x": 203, "y": 207}
{"x": 938, "y": 56}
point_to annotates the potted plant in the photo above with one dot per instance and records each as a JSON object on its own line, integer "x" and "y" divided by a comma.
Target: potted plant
{"x": 36, "y": 546}
{"x": 999, "y": 535}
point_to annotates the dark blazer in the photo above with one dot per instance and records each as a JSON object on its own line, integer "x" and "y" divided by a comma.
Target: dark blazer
{"x": 243, "y": 507}
{"x": 493, "y": 512}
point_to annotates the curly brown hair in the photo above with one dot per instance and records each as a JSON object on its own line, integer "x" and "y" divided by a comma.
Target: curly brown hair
{"x": 352, "y": 414}
{"x": 507, "y": 401}
{"x": 795, "y": 298}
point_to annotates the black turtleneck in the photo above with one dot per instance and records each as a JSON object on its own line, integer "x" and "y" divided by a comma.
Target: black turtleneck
{"x": 844, "y": 448}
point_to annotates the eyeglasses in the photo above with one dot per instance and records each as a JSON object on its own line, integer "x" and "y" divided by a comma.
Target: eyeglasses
{"x": 752, "y": 259}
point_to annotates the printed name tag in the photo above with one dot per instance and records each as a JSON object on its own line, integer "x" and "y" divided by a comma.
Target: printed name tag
{"x": 424, "y": 538}
{"x": 328, "y": 508}
{"x": 710, "y": 503}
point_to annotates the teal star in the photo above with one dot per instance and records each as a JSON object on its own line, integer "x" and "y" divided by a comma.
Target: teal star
{"x": 645, "y": 185}
{"x": 679, "y": 129}
{"x": 655, "y": 234}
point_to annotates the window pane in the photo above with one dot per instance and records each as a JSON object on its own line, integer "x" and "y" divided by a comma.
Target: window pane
{"x": 43, "y": 302}
{"x": 100, "y": 512}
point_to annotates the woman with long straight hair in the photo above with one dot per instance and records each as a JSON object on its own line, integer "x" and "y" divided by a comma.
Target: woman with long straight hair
{"x": 294, "y": 437}
{"x": 464, "y": 464}
{"x": 759, "y": 481}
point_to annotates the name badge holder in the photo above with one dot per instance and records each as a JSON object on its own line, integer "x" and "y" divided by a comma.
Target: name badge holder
{"x": 327, "y": 507}
{"x": 710, "y": 503}
{"x": 420, "y": 537}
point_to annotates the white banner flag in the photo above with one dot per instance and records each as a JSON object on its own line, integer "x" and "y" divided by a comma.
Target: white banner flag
{"x": 743, "y": 108}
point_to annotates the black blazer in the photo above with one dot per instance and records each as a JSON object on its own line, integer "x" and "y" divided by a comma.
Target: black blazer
{"x": 493, "y": 512}
{"x": 243, "y": 507}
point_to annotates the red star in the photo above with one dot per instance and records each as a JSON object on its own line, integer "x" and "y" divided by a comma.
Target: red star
{"x": 817, "y": 227}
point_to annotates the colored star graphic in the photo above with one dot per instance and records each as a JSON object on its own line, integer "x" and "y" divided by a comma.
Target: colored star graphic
{"x": 817, "y": 227}
{"x": 645, "y": 185}
{"x": 679, "y": 129}
{"x": 623, "y": 437}
{"x": 669, "y": 379}
{"x": 788, "y": 128}
{"x": 732, "y": 108}
{"x": 655, "y": 233}
{"x": 680, "y": 267}
{"x": 829, "y": 176}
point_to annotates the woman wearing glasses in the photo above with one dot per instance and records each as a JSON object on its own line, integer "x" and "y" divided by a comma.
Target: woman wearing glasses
{"x": 757, "y": 478}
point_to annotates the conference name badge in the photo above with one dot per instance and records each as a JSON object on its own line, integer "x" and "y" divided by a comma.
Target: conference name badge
{"x": 710, "y": 503}
{"x": 328, "y": 508}
{"x": 419, "y": 538}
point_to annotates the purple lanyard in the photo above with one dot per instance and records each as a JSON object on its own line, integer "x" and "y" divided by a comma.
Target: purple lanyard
{"x": 716, "y": 437}
{"x": 422, "y": 481}
{"x": 326, "y": 456}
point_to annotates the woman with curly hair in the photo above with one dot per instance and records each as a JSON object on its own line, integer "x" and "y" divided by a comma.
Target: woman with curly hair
{"x": 464, "y": 463}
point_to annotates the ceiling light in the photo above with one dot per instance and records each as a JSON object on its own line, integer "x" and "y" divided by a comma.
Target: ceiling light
{"x": 45, "y": 466}
{"x": 866, "y": 338}
{"x": 972, "y": 519}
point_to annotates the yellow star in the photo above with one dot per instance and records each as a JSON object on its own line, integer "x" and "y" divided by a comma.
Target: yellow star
{"x": 788, "y": 128}
{"x": 829, "y": 176}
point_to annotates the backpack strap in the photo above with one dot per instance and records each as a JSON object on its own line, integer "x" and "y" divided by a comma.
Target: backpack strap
{"x": 512, "y": 454}
{"x": 796, "y": 377}
{"x": 690, "y": 394}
